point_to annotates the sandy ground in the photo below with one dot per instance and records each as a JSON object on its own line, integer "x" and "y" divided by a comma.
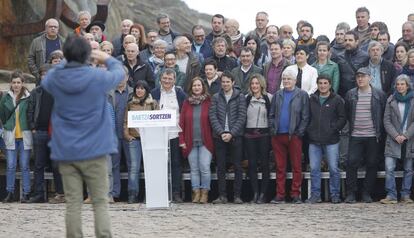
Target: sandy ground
{"x": 193, "y": 220}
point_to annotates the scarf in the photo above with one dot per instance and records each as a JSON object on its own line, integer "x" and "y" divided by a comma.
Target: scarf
{"x": 404, "y": 99}
{"x": 236, "y": 37}
{"x": 196, "y": 100}
{"x": 406, "y": 70}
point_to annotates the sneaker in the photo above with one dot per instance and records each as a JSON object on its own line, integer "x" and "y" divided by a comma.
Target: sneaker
{"x": 177, "y": 198}
{"x": 366, "y": 198}
{"x": 406, "y": 200}
{"x": 296, "y": 200}
{"x": 37, "y": 199}
{"x": 350, "y": 198}
{"x": 220, "y": 200}
{"x": 278, "y": 200}
{"x": 25, "y": 198}
{"x": 335, "y": 200}
{"x": 388, "y": 200}
{"x": 313, "y": 199}
{"x": 88, "y": 200}
{"x": 59, "y": 198}
{"x": 237, "y": 200}
{"x": 9, "y": 198}
{"x": 111, "y": 200}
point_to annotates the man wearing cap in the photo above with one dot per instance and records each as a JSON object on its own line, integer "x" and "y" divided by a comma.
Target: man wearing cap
{"x": 364, "y": 106}
{"x": 305, "y": 74}
{"x": 96, "y": 28}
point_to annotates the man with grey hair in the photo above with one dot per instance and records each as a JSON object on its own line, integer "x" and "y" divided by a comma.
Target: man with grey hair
{"x": 117, "y": 41}
{"x": 262, "y": 19}
{"x": 410, "y": 17}
{"x": 137, "y": 69}
{"x": 152, "y": 36}
{"x": 84, "y": 19}
{"x": 383, "y": 72}
{"x": 408, "y": 33}
{"x": 288, "y": 119}
{"x": 224, "y": 62}
{"x": 200, "y": 44}
{"x": 286, "y": 32}
{"x": 187, "y": 62}
{"x": 337, "y": 45}
{"x": 42, "y": 46}
{"x": 165, "y": 32}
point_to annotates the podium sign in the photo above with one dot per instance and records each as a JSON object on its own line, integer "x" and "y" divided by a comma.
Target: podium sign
{"x": 153, "y": 128}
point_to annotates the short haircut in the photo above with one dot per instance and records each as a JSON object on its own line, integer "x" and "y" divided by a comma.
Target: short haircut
{"x": 411, "y": 23}
{"x": 279, "y": 43}
{"x": 374, "y": 43}
{"x": 343, "y": 26}
{"x": 210, "y": 62}
{"x": 322, "y": 38}
{"x": 57, "y": 54}
{"x": 196, "y": 27}
{"x": 217, "y": 16}
{"x": 277, "y": 28}
{"x": 356, "y": 37}
{"x": 107, "y": 43}
{"x": 410, "y": 52}
{"x": 162, "y": 16}
{"x": 380, "y": 25}
{"x": 289, "y": 72}
{"x": 84, "y": 13}
{"x": 324, "y": 76}
{"x": 246, "y": 49}
{"x": 362, "y": 9}
{"x": 384, "y": 33}
{"x": 76, "y": 49}
{"x": 219, "y": 40}
{"x": 262, "y": 83}
{"x": 307, "y": 24}
{"x": 228, "y": 74}
{"x": 262, "y": 13}
{"x": 160, "y": 42}
{"x": 170, "y": 52}
{"x": 289, "y": 42}
{"x": 406, "y": 79}
{"x": 169, "y": 72}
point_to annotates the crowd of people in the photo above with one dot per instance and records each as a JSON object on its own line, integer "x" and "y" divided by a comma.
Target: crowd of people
{"x": 238, "y": 97}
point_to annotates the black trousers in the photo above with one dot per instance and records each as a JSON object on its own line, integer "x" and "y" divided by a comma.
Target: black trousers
{"x": 258, "y": 152}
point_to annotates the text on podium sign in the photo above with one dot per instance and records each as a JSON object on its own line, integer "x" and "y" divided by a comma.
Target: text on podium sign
{"x": 157, "y": 118}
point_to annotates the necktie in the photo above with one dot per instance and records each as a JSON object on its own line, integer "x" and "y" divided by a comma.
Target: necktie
{"x": 299, "y": 78}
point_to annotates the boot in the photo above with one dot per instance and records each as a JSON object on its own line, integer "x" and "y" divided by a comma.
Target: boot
{"x": 9, "y": 198}
{"x": 204, "y": 196}
{"x": 196, "y": 195}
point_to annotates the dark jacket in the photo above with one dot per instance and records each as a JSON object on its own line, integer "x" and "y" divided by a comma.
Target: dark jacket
{"x": 388, "y": 75}
{"x": 326, "y": 120}
{"x": 205, "y": 51}
{"x": 141, "y": 71}
{"x": 156, "y": 95}
{"x": 34, "y": 105}
{"x": 283, "y": 64}
{"x": 299, "y": 112}
{"x": 336, "y": 49}
{"x": 193, "y": 69}
{"x": 349, "y": 63}
{"x": 242, "y": 82}
{"x": 378, "y": 100}
{"x": 224, "y": 63}
{"x": 392, "y": 122}
{"x": 235, "y": 110}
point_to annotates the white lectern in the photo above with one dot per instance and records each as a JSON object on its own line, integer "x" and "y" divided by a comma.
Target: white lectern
{"x": 153, "y": 128}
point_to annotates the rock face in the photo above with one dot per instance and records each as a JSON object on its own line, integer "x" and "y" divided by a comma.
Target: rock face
{"x": 141, "y": 11}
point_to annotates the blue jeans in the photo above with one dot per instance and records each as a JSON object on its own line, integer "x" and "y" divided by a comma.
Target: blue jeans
{"x": 200, "y": 159}
{"x": 134, "y": 166}
{"x": 331, "y": 153}
{"x": 390, "y": 178}
{"x": 116, "y": 161}
{"x": 24, "y": 167}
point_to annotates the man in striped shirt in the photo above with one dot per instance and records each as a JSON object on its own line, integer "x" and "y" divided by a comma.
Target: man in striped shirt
{"x": 365, "y": 108}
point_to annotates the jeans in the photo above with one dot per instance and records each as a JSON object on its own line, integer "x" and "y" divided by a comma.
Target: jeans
{"x": 42, "y": 157}
{"x": 175, "y": 165}
{"x": 362, "y": 148}
{"x": 123, "y": 148}
{"x": 235, "y": 148}
{"x": 284, "y": 145}
{"x": 200, "y": 159}
{"x": 258, "y": 151}
{"x": 390, "y": 178}
{"x": 92, "y": 172}
{"x": 24, "y": 157}
{"x": 331, "y": 153}
{"x": 134, "y": 166}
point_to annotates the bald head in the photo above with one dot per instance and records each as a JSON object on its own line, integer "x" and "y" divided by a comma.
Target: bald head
{"x": 232, "y": 27}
